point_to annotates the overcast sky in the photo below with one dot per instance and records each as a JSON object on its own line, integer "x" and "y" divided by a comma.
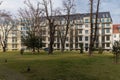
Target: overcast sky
{"x": 113, "y": 6}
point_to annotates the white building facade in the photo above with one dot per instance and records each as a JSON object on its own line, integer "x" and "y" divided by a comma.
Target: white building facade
{"x": 79, "y": 32}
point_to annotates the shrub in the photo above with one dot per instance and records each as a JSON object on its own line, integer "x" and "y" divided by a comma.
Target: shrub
{"x": 81, "y": 48}
{"x": 116, "y": 50}
{"x": 100, "y": 50}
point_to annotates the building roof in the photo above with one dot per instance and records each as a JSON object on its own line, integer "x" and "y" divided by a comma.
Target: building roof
{"x": 100, "y": 15}
{"x": 81, "y": 16}
{"x": 116, "y": 28}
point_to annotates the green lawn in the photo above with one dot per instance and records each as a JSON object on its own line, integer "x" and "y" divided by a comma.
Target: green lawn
{"x": 67, "y": 66}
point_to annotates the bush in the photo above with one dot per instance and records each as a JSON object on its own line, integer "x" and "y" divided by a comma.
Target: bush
{"x": 100, "y": 50}
{"x": 22, "y": 51}
{"x": 81, "y": 48}
{"x": 116, "y": 50}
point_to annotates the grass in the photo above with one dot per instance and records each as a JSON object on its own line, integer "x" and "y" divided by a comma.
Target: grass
{"x": 67, "y": 66}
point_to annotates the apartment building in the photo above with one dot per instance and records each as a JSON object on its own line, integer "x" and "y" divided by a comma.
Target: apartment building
{"x": 13, "y": 38}
{"x": 79, "y": 32}
{"x": 116, "y": 33}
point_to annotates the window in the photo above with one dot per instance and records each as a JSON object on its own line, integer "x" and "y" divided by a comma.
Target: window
{"x": 80, "y": 31}
{"x": 107, "y": 25}
{"x": 67, "y": 45}
{"x": 86, "y": 44}
{"x": 103, "y": 39}
{"x": 86, "y": 20}
{"x": 44, "y": 38}
{"x": 107, "y": 30}
{"x": 107, "y": 38}
{"x": 14, "y": 33}
{"x": 80, "y": 38}
{"x": 93, "y": 30}
{"x": 86, "y": 31}
{"x": 102, "y": 20}
{"x": 93, "y": 21}
{"x": 114, "y": 36}
{"x": 80, "y": 26}
{"x": 98, "y": 20}
{"x": 14, "y": 45}
{"x": 54, "y": 45}
{"x": 103, "y": 25}
{"x": 77, "y": 26}
{"x": 108, "y": 20}
{"x": 86, "y": 38}
{"x": 108, "y": 45}
{"x": 86, "y": 25}
{"x": 14, "y": 39}
{"x": 43, "y": 45}
{"x": 62, "y": 22}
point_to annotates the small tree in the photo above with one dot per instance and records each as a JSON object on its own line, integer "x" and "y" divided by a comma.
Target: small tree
{"x": 116, "y": 50}
{"x": 33, "y": 42}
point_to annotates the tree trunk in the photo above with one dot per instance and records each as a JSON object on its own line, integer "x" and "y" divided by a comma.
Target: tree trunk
{"x": 50, "y": 48}
{"x": 91, "y": 26}
{"x": 51, "y": 45}
{"x": 116, "y": 58}
{"x": 52, "y": 33}
{"x": 4, "y": 49}
{"x": 38, "y": 50}
{"x": 33, "y": 51}
{"x": 96, "y": 22}
{"x": 62, "y": 47}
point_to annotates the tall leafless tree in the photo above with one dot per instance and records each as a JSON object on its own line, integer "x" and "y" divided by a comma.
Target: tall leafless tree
{"x": 96, "y": 20}
{"x": 68, "y": 6}
{"x": 91, "y": 27}
{"x": 93, "y": 37}
{"x": 6, "y": 26}
{"x": 32, "y": 17}
{"x": 50, "y": 14}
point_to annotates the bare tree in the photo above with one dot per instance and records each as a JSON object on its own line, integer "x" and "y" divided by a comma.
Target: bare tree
{"x": 93, "y": 37}
{"x": 96, "y": 20}
{"x": 6, "y": 26}
{"x": 32, "y": 17}
{"x": 68, "y": 6}
{"x": 91, "y": 26}
{"x": 50, "y": 15}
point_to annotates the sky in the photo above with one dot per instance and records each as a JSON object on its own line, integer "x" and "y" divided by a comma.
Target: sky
{"x": 82, "y": 6}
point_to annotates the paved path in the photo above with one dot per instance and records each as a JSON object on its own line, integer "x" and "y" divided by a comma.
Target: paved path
{"x": 8, "y": 74}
